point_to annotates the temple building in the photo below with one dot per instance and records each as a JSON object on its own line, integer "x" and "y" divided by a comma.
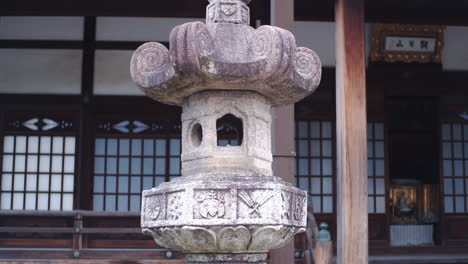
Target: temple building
{"x": 79, "y": 141}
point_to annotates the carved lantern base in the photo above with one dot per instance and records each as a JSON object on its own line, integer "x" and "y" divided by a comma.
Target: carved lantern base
{"x": 227, "y": 258}
{"x": 240, "y": 214}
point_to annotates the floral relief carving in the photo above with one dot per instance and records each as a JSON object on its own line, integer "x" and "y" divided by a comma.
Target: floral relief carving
{"x": 154, "y": 207}
{"x": 210, "y": 204}
{"x": 237, "y": 239}
{"x": 174, "y": 205}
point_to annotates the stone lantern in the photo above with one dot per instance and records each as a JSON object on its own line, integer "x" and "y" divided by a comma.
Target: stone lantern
{"x": 227, "y": 207}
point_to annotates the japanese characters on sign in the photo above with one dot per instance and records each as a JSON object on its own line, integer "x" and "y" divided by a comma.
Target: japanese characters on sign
{"x": 410, "y": 44}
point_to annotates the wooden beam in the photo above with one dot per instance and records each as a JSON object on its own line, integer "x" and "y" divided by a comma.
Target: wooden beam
{"x": 282, "y": 15}
{"x": 351, "y": 133}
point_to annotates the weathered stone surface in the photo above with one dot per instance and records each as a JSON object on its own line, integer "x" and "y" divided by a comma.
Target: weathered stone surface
{"x": 227, "y": 207}
{"x": 205, "y": 156}
{"x": 224, "y": 213}
{"x": 226, "y": 55}
{"x": 227, "y": 258}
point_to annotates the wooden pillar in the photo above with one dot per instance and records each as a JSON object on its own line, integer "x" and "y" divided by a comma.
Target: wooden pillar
{"x": 282, "y": 15}
{"x": 351, "y": 132}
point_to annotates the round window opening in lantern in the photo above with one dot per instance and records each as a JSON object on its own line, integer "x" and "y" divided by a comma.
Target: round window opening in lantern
{"x": 229, "y": 131}
{"x": 197, "y": 135}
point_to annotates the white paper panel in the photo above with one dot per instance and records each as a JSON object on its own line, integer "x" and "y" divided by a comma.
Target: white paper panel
{"x": 327, "y": 167}
{"x": 315, "y": 166}
{"x": 379, "y": 168}
{"x": 43, "y": 201}
{"x": 41, "y": 28}
{"x": 5, "y": 203}
{"x": 458, "y": 150}
{"x": 43, "y": 182}
{"x": 135, "y": 202}
{"x": 370, "y": 168}
{"x": 56, "y": 183}
{"x": 327, "y": 187}
{"x": 380, "y": 205}
{"x": 20, "y": 144}
{"x": 111, "y": 184}
{"x": 302, "y": 148}
{"x": 124, "y": 147}
{"x": 69, "y": 164}
{"x": 8, "y": 144}
{"x": 45, "y": 144}
{"x": 112, "y": 73}
{"x": 57, "y": 145}
{"x": 446, "y": 132}
{"x": 30, "y": 201}
{"x": 110, "y": 203}
{"x": 33, "y": 144}
{"x": 98, "y": 200}
{"x": 148, "y": 184}
{"x": 32, "y": 163}
{"x": 44, "y": 71}
{"x": 44, "y": 163}
{"x": 123, "y": 203}
{"x": 315, "y": 188}
{"x": 55, "y": 201}
{"x": 6, "y": 182}
{"x": 69, "y": 145}
{"x": 370, "y": 149}
{"x": 161, "y": 166}
{"x": 20, "y": 162}
{"x": 135, "y": 184}
{"x": 459, "y": 186}
{"x": 314, "y": 129}
{"x": 327, "y": 148}
{"x": 57, "y": 163}
{"x": 448, "y": 202}
{"x": 447, "y": 150}
{"x": 67, "y": 202}
{"x": 123, "y": 184}
{"x": 448, "y": 186}
{"x": 316, "y": 204}
{"x": 31, "y": 181}
{"x": 447, "y": 168}
{"x": 68, "y": 184}
{"x": 370, "y": 131}
{"x": 459, "y": 204}
{"x": 379, "y": 131}
{"x": 379, "y": 149}
{"x": 315, "y": 148}
{"x": 19, "y": 182}
{"x": 137, "y": 29}
{"x": 379, "y": 186}
{"x": 7, "y": 163}
{"x": 302, "y": 129}
{"x": 370, "y": 205}
{"x": 327, "y": 204}
{"x": 18, "y": 200}
{"x": 370, "y": 187}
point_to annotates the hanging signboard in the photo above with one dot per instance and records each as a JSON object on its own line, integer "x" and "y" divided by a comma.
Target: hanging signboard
{"x": 407, "y": 43}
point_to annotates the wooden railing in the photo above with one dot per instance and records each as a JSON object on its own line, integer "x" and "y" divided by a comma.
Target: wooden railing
{"x": 319, "y": 247}
{"x": 76, "y": 235}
